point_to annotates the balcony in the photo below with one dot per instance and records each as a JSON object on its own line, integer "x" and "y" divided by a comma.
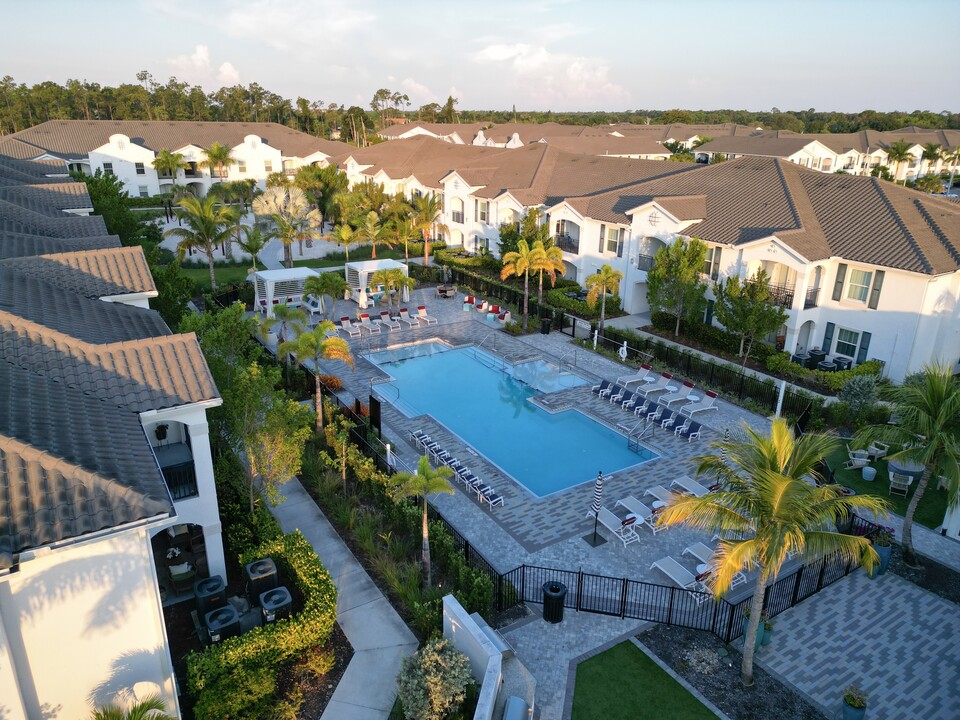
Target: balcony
{"x": 567, "y": 244}
{"x": 457, "y": 216}
{"x": 645, "y": 262}
{"x": 811, "y": 299}
{"x": 176, "y": 464}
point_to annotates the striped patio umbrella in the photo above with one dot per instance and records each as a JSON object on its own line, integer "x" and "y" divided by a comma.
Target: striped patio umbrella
{"x": 595, "y": 508}
{"x": 723, "y": 448}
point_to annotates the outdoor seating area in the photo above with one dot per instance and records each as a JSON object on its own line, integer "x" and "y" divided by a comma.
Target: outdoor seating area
{"x": 483, "y": 307}
{"x": 275, "y": 287}
{"x": 463, "y": 475}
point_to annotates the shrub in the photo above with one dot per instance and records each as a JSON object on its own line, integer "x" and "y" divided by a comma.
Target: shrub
{"x": 859, "y": 392}
{"x": 432, "y": 682}
{"x": 333, "y": 382}
{"x": 581, "y": 308}
{"x": 241, "y": 530}
{"x": 839, "y": 414}
{"x": 514, "y": 327}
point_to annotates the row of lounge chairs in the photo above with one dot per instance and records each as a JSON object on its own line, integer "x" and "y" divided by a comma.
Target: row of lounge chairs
{"x": 485, "y": 493}
{"x": 374, "y": 326}
{"x": 493, "y": 312}
{"x": 682, "y": 577}
{"x": 682, "y": 426}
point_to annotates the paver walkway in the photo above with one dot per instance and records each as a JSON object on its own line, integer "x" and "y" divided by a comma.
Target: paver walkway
{"x": 379, "y": 637}
{"x": 893, "y": 639}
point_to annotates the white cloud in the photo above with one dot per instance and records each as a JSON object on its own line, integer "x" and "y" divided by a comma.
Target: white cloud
{"x": 227, "y": 74}
{"x": 419, "y": 93}
{"x": 197, "y": 69}
{"x": 300, "y": 27}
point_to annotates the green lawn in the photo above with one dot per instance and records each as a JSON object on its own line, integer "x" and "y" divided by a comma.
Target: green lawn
{"x": 225, "y": 275}
{"x": 932, "y": 506}
{"x": 356, "y": 255}
{"x": 623, "y": 682}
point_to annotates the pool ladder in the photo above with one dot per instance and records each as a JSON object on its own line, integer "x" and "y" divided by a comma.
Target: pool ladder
{"x": 634, "y": 438}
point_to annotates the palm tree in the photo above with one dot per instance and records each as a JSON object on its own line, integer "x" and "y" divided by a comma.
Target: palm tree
{"x": 216, "y": 156}
{"x": 764, "y": 493}
{"x": 314, "y": 345}
{"x": 426, "y": 213}
{"x": 374, "y": 233}
{"x": 293, "y": 216}
{"x": 326, "y": 284}
{"x": 928, "y": 431}
{"x": 953, "y": 158}
{"x": 254, "y": 240}
{"x": 169, "y": 162}
{"x": 550, "y": 263}
{"x": 393, "y": 279}
{"x": 423, "y": 482}
{"x": 932, "y": 152}
{"x": 898, "y": 153}
{"x": 290, "y": 318}
{"x": 345, "y": 234}
{"x": 150, "y": 708}
{"x": 521, "y": 262}
{"x": 606, "y": 280}
{"x": 207, "y": 225}
{"x": 403, "y": 232}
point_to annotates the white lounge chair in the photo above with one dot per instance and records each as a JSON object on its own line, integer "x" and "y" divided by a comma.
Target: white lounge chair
{"x": 707, "y": 403}
{"x": 691, "y": 486}
{"x": 675, "y": 571}
{"x": 611, "y": 522}
{"x": 704, "y": 555}
{"x": 349, "y": 328}
{"x": 658, "y": 386}
{"x": 387, "y": 321}
{"x": 640, "y": 509}
{"x": 660, "y": 493}
{"x": 679, "y": 395}
{"x": 645, "y": 375}
{"x": 423, "y": 317}
{"x": 368, "y": 325}
{"x": 410, "y": 321}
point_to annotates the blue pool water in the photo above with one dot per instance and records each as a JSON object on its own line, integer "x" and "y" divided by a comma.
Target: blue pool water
{"x": 475, "y": 396}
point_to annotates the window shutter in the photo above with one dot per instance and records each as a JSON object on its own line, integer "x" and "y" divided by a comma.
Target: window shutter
{"x": 875, "y": 291}
{"x": 620, "y": 244}
{"x": 828, "y": 338}
{"x": 603, "y": 235}
{"x": 708, "y": 318}
{"x": 476, "y": 210}
{"x": 715, "y": 273}
{"x": 864, "y": 347}
{"x": 838, "y": 283}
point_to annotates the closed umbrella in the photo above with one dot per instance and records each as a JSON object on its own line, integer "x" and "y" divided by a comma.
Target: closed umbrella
{"x": 597, "y": 504}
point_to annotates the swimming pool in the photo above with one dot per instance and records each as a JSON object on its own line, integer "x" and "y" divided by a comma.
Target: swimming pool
{"x": 478, "y": 397}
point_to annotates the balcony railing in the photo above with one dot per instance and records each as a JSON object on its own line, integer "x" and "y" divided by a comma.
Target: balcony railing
{"x": 176, "y": 464}
{"x": 567, "y": 243}
{"x": 457, "y": 216}
{"x": 811, "y": 299}
{"x": 645, "y": 262}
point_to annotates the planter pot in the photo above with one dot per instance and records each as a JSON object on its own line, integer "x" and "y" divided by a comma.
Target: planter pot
{"x": 767, "y": 635}
{"x": 884, "y": 553}
{"x": 852, "y": 713}
{"x": 760, "y": 634}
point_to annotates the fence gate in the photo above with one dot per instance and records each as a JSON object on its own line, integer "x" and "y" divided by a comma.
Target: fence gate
{"x": 575, "y": 327}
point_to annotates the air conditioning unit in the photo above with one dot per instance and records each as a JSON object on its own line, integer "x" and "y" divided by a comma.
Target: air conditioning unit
{"x": 276, "y": 604}
{"x": 211, "y": 593}
{"x": 222, "y": 623}
{"x": 261, "y": 576}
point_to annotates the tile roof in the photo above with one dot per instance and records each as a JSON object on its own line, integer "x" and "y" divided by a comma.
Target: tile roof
{"x": 70, "y": 465}
{"x": 75, "y": 138}
{"x": 49, "y": 198}
{"x": 769, "y": 145}
{"x": 466, "y": 131}
{"x": 607, "y": 144}
{"x": 91, "y": 273}
{"x": 15, "y": 171}
{"x": 14, "y": 244}
{"x": 424, "y": 157}
{"x": 17, "y": 218}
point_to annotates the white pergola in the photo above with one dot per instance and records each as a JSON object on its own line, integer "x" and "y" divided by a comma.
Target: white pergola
{"x": 357, "y": 275}
{"x": 279, "y": 287}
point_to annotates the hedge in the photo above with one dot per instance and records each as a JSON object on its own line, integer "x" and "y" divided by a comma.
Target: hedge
{"x": 582, "y": 308}
{"x": 782, "y": 364}
{"x": 240, "y": 530}
{"x": 237, "y": 677}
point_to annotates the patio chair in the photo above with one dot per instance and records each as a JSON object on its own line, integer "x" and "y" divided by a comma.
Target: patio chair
{"x": 899, "y": 484}
{"x": 640, "y": 509}
{"x": 645, "y": 375}
{"x": 655, "y": 414}
{"x": 611, "y": 390}
{"x": 692, "y": 431}
{"x": 387, "y": 321}
{"x": 504, "y": 317}
{"x": 468, "y": 302}
{"x": 677, "y": 429}
{"x": 621, "y": 529}
{"x": 667, "y": 419}
{"x": 691, "y": 486}
{"x": 348, "y": 327}
{"x": 660, "y": 493}
{"x": 617, "y": 393}
{"x": 856, "y": 459}
{"x": 700, "y": 552}
{"x": 423, "y": 317}
{"x": 707, "y": 403}
{"x": 406, "y": 318}
{"x": 481, "y": 306}
{"x": 182, "y": 577}
{"x": 680, "y": 394}
{"x": 600, "y": 387}
{"x": 368, "y": 325}
{"x": 877, "y": 450}
{"x": 644, "y": 408}
{"x": 658, "y": 386}
{"x": 630, "y": 402}
{"x": 680, "y": 576}
{"x": 484, "y": 492}
{"x": 420, "y": 438}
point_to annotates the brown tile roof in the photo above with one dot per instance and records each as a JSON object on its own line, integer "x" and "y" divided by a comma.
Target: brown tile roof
{"x": 609, "y": 145}
{"x": 91, "y": 273}
{"x": 17, "y": 218}
{"x": 139, "y": 375}
{"x": 681, "y": 131}
{"x": 769, "y": 145}
{"x": 70, "y": 465}
{"x": 426, "y": 158}
{"x": 13, "y": 244}
{"x": 466, "y": 131}
{"x": 76, "y": 138}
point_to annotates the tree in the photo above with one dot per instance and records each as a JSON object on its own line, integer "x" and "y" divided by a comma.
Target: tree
{"x": 254, "y": 240}
{"x": 426, "y": 213}
{"x": 217, "y": 156}
{"x": 373, "y": 232}
{"x": 745, "y": 308}
{"x": 174, "y": 291}
{"x": 765, "y": 498}
{"x": 932, "y": 152}
{"x": 521, "y": 262}
{"x": 605, "y": 281}
{"x": 345, "y": 235}
{"x": 551, "y": 263}
{"x": 314, "y": 345}
{"x": 953, "y": 159}
{"x": 290, "y": 319}
{"x": 403, "y": 232}
{"x": 393, "y": 279}
{"x": 432, "y": 683}
{"x": 426, "y": 480}
{"x": 322, "y": 185}
{"x": 897, "y": 153}
{"x": 171, "y": 163}
{"x": 928, "y": 433}
{"x": 206, "y": 226}
{"x": 674, "y": 283}
{"x": 150, "y": 708}
{"x": 330, "y": 284}
{"x": 448, "y": 113}
{"x": 882, "y": 172}
{"x": 929, "y": 184}
{"x": 293, "y": 218}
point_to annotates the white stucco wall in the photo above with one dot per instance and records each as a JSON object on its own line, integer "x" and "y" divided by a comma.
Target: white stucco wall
{"x": 124, "y": 154}
{"x": 84, "y": 622}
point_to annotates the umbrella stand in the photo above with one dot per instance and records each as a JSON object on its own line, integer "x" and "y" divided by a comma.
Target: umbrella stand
{"x": 593, "y": 539}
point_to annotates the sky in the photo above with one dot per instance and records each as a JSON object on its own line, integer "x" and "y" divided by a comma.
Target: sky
{"x": 560, "y": 55}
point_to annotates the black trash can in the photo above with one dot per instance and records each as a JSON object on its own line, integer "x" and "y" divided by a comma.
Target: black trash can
{"x": 554, "y": 593}
{"x": 545, "y": 324}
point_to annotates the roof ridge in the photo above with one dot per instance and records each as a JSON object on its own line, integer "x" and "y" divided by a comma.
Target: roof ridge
{"x": 924, "y": 260}
{"x": 944, "y": 240}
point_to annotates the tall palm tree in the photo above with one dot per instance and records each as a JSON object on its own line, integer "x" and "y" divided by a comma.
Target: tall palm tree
{"x": 217, "y": 156}
{"x": 403, "y": 232}
{"x": 345, "y": 234}
{"x": 330, "y": 284}
{"x": 150, "y": 708}
{"x": 550, "y": 263}
{"x": 932, "y": 152}
{"x": 520, "y": 262}
{"x": 425, "y": 481}
{"x": 294, "y": 218}
{"x": 206, "y": 226}
{"x": 426, "y": 214}
{"x": 373, "y": 232}
{"x": 291, "y": 320}
{"x": 393, "y": 279}
{"x": 253, "y": 241}
{"x": 606, "y": 280}
{"x": 764, "y": 494}
{"x": 897, "y": 153}
{"x": 928, "y": 431}
{"x": 169, "y": 162}
{"x": 953, "y": 158}
{"x": 314, "y": 345}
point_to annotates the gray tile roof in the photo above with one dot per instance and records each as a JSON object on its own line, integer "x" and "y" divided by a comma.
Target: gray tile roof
{"x": 91, "y": 273}
{"x": 16, "y": 218}
{"x": 14, "y": 170}
{"x": 70, "y": 465}
{"x": 49, "y": 198}
{"x": 15, "y": 244}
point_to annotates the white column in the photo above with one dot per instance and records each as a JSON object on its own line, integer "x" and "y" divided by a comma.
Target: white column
{"x": 207, "y": 491}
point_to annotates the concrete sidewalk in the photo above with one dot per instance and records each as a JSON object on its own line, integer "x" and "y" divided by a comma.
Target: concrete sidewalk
{"x": 379, "y": 637}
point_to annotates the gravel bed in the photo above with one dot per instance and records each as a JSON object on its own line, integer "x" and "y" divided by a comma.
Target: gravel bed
{"x": 938, "y": 579}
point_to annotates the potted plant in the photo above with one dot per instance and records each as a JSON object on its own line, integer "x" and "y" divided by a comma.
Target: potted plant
{"x": 161, "y": 431}
{"x": 854, "y": 703}
{"x": 767, "y": 629}
{"x": 761, "y": 632}
{"x": 882, "y": 540}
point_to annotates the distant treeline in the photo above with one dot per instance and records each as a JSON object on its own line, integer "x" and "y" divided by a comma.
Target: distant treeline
{"x": 22, "y": 106}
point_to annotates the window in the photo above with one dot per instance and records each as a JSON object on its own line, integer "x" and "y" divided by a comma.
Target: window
{"x": 142, "y": 189}
{"x": 241, "y": 166}
{"x": 268, "y": 166}
{"x": 613, "y": 237}
{"x": 847, "y": 341}
{"x": 481, "y": 210}
{"x": 711, "y": 264}
{"x": 859, "y": 285}
{"x": 108, "y": 168}
{"x": 140, "y": 170}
